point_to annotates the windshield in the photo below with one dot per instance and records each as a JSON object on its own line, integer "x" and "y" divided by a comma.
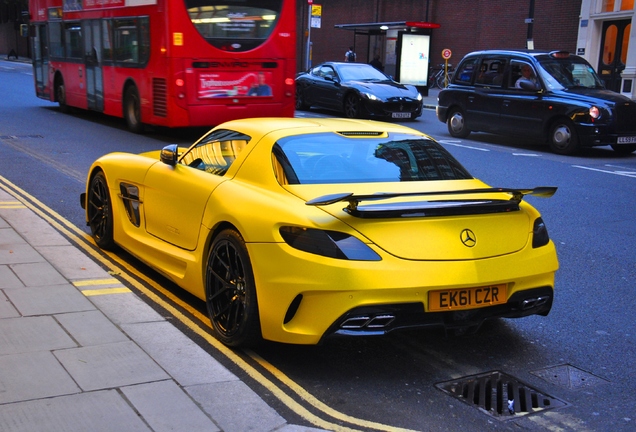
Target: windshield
{"x": 568, "y": 73}
{"x": 333, "y": 158}
{"x": 360, "y": 72}
{"x": 234, "y": 25}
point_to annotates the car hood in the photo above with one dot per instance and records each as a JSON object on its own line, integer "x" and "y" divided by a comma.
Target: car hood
{"x": 384, "y": 89}
{"x": 440, "y": 227}
{"x": 594, "y": 96}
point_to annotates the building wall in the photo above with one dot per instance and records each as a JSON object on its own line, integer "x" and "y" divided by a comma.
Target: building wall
{"x": 466, "y": 25}
{"x": 11, "y": 17}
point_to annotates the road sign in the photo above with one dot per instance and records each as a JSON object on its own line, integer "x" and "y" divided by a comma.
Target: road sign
{"x": 446, "y": 54}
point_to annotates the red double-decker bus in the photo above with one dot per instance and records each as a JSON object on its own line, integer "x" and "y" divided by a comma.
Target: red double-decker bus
{"x": 166, "y": 62}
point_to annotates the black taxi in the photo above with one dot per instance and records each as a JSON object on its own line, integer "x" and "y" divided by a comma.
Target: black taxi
{"x": 551, "y": 97}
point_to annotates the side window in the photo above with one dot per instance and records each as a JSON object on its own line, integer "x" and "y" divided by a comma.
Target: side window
{"x": 56, "y": 39}
{"x": 491, "y": 72}
{"x": 73, "y": 41}
{"x": 466, "y": 70}
{"x": 131, "y": 38}
{"x": 327, "y": 71}
{"x": 521, "y": 70}
{"x": 216, "y": 152}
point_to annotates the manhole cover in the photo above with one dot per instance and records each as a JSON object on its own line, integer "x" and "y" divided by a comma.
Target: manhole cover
{"x": 500, "y": 395}
{"x": 569, "y": 376}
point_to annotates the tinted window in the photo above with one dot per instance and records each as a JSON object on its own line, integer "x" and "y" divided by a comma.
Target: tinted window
{"x": 466, "y": 70}
{"x": 234, "y": 25}
{"x": 333, "y": 158}
{"x": 216, "y": 152}
{"x": 491, "y": 72}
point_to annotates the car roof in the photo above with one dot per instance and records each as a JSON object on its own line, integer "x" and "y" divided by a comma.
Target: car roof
{"x": 257, "y": 127}
{"x": 526, "y": 52}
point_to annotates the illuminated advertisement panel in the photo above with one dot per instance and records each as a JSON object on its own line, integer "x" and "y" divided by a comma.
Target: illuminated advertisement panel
{"x": 234, "y": 83}
{"x": 414, "y": 59}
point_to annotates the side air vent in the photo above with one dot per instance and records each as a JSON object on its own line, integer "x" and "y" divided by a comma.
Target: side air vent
{"x": 159, "y": 97}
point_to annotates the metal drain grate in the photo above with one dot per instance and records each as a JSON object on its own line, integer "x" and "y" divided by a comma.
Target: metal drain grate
{"x": 499, "y": 395}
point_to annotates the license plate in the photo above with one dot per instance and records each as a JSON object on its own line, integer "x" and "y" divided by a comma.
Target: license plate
{"x": 467, "y": 298}
{"x": 401, "y": 115}
{"x": 626, "y": 140}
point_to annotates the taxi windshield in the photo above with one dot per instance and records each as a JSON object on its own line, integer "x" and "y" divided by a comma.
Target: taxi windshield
{"x": 568, "y": 73}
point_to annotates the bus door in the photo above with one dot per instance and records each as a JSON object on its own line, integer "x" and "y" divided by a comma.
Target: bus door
{"x": 93, "y": 64}
{"x": 41, "y": 61}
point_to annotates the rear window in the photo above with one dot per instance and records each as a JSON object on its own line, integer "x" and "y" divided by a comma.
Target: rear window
{"x": 333, "y": 158}
{"x": 234, "y": 25}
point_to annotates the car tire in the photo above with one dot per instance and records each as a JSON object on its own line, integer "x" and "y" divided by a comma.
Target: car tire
{"x": 624, "y": 150}
{"x": 352, "y": 106}
{"x": 99, "y": 212}
{"x": 230, "y": 291}
{"x": 563, "y": 139}
{"x": 132, "y": 110}
{"x": 456, "y": 122}
{"x": 301, "y": 105}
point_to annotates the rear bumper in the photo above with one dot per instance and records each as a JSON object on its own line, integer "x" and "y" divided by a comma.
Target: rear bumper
{"x": 382, "y": 319}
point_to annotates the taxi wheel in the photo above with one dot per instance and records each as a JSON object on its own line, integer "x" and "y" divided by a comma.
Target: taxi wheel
{"x": 457, "y": 124}
{"x": 230, "y": 291}
{"x": 624, "y": 150}
{"x": 563, "y": 138}
{"x": 100, "y": 212}
{"x": 352, "y": 106}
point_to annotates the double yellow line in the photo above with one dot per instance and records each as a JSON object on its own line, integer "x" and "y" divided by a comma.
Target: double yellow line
{"x": 124, "y": 271}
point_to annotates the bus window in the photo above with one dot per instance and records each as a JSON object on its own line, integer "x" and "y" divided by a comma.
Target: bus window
{"x": 55, "y": 40}
{"x": 131, "y": 41}
{"x": 234, "y": 25}
{"x": 73, "y": 41}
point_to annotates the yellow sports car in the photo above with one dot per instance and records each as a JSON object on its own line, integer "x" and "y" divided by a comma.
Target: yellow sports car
{"x": 296, "y": 230}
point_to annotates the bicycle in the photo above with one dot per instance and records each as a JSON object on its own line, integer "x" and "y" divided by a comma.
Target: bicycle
{"x": 439, "y": 79}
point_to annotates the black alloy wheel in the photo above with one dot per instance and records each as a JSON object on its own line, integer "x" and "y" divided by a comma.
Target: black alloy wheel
{"x": 301, "y": 105}
{"x": 230, "y": 291}
{"x": 352, "y": 106}
{"x": 100, "y": 212}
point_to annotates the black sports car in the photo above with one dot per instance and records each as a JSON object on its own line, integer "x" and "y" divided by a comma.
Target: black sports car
{"x": 358, "y": 90}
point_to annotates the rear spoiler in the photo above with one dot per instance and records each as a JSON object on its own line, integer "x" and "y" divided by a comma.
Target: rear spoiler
{"x": 432, "y": 208}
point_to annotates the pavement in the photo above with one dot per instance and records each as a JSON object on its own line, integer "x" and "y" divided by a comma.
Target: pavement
{"x": 80, "y": 352}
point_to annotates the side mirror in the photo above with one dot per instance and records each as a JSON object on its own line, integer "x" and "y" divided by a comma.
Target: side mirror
{"x": 526, "y": 84}
{"x": 169, "y": 154}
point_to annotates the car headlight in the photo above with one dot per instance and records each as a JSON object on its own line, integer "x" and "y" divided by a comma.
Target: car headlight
{"x": 332, "y": 244}
{"x": 595, "y": 113}
{"x": 540, "y": 235}
{"x": 419, "y": 97}
{"x": 370, "y": 96}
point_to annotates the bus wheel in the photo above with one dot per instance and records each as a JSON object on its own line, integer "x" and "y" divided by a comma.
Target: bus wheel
{"x": 60, "y": 95}
{"x": 132, "y": 110}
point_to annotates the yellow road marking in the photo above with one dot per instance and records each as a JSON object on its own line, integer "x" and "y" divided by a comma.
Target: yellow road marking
{"x": 117, "y": 265}
{"x": 92, "y": 282}
{"x": 106, "y": 291}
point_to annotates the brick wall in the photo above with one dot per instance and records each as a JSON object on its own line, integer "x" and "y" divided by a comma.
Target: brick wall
{"x": 466, "y": 25}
